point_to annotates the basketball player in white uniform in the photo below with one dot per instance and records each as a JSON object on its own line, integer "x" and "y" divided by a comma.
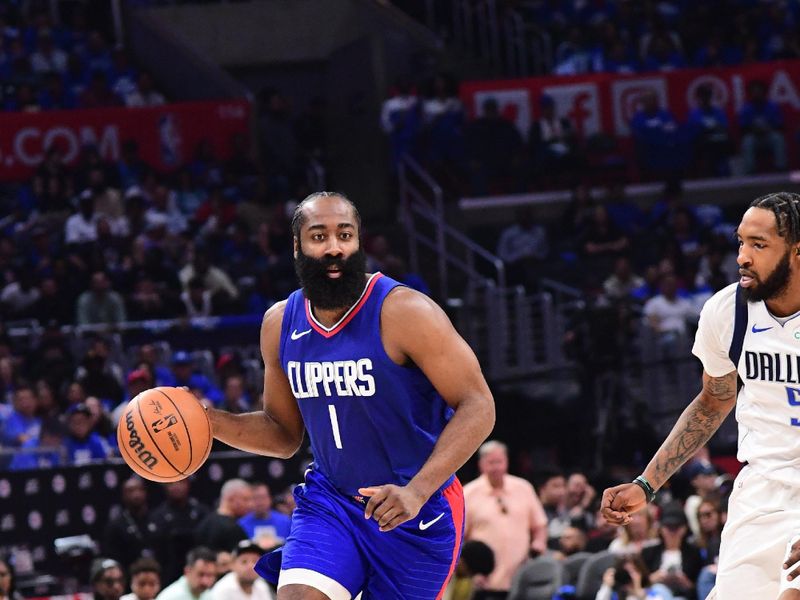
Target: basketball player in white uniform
{"x": 748, "y": 331}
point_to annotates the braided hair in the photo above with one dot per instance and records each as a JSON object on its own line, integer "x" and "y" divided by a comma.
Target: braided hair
{"x": 786, "y": 208}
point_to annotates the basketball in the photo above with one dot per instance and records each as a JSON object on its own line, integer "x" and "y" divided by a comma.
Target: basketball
{"x": 164, "y": 434}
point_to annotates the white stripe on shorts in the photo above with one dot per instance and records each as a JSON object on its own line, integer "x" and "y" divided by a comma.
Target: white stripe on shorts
{"x": 330, "y": 587}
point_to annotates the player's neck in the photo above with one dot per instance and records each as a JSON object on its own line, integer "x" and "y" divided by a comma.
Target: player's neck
{"x": 329, "y": 316}
{"x": 788, "y": 302}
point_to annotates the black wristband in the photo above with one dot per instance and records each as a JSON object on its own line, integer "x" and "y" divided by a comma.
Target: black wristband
{"x": 649, "y": 492}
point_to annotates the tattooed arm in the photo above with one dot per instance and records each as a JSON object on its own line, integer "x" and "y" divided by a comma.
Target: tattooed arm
{"x": 694, "y": 428}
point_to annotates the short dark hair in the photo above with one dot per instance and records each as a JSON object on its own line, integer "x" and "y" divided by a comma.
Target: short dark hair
{"x": 200, "y": 553}
{"x": 299, "y": 218}
{"x": 145, "y": 565}
{"x": 478, "y": 557}
{"x": 786, "y": 208}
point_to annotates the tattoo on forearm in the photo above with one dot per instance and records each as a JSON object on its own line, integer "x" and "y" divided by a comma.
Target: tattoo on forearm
{"x": 695, "y": 427}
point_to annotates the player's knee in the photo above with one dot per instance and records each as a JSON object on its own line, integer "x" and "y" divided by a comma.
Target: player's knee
{"x": 790, "y": 595}
{"x": 300, "y": 592}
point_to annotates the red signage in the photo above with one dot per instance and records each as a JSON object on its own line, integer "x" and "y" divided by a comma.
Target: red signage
{"x": 606, "y": 102}
{"x": 167, "y": 135}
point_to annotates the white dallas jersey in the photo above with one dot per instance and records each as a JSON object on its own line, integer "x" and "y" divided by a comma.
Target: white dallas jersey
{"x": 768, "y": 405}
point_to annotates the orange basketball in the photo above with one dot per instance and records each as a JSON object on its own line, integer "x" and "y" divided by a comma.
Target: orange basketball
{"x": 164, "y": 434}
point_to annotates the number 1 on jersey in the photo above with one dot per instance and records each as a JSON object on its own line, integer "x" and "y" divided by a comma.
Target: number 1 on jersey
{"x": 337, "y": 438}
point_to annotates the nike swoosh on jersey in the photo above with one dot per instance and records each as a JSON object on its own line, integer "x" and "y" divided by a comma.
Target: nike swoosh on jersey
{"x": 423, "y": 525}
{"x": 297, "y": 336}
{"x": 760, "y": 329}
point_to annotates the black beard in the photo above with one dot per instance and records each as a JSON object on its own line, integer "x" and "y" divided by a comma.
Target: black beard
{"x": 774, "y": 285}
{"x": 326, "y": 293}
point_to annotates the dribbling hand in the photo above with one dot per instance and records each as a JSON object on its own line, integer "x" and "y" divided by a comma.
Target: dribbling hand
{"x": 391, "y": 505}
{"x": 620, "y": 502}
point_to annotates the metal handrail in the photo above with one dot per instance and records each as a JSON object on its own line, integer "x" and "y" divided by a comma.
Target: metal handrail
{"x": 430, "y": 207}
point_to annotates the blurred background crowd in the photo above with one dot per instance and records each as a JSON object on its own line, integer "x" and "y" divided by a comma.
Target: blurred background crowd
{"x": 117, "y": 275}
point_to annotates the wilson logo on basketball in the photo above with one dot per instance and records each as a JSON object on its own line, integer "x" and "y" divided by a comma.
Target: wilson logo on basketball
{"x": 164, "y": 423}
{"x": 137, "y": 445}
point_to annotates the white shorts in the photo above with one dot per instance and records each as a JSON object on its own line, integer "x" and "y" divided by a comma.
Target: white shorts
{"x": 763, "y": 522}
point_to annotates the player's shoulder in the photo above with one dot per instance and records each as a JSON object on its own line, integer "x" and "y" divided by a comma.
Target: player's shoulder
{"x": 722, "y": 303}
{"x": 404, "y": 302}
{"x": 274, "y": 314}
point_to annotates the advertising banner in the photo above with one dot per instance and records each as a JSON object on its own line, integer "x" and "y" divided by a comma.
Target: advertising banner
{"x": 167, "y": 135}
{"x": 607, "y": 102}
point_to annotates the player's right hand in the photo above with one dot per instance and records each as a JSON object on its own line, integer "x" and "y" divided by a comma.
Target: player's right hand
{"x": 620, "y": 502}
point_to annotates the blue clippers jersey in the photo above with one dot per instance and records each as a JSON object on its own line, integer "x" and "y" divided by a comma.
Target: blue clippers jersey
{"x": 370, "y": 421}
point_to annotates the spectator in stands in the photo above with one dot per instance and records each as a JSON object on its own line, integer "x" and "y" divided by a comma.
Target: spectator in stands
{"x": 601, "y": 243}
{"x": 443, "y": 120}
{"x": 572, "y": 56}
{"x": 22, "y": 424}
{"x": 761, "y": 123}
{"x": 552, "y": 487}
{"x": 709, "y": 133}
{"x": 401, "y": 121}
{"x": 163, "y": 204}
{"x": 243, "y": 583}
{"x": 172, "y": 525}
{"x": 107, "y": 579}
{"x": 145, "y": 576}
{"x": 630, "y": 579}
{"x": 107, "y": 201}
{"x": 148, "y": 302}
{"x": 54, "y": 96}
{"x": 148, "y": 354}
{"x": 83, "y": 445}
{"x": 223, "y": 563}
{"x": 99, "y": 379}
{"x": 709, "y": 517}
{"x": 214, "y": 278}
{"x": 126, "y": 536}
{"x": 48, "y": 58}
{"x": 122, "y": 75}
{"x": 702, "y": 477}
{"x": 637, "y": 535}
{"x": 523, "y": 247}
{"x": 493, "y": 147}
{"x": 552, "y": 141}
{"x": 504, "y": 512}
{"x": 661, "y": 53}
{"x": 81, "y": 227}
{"x": 184, "y": 375}
{"x": 47, "y": 405}
{"x": 578, "y": 501}
{"x": 621, "y": 284}
{"x": 18, "y": 297}
{"x": 572, "y": 541}
{"x": 51, "y": 304}
{"x": 197, "y": 300}
{"x": 674, "y": 561}
{"x": 199, "y": 575}
{"x": 656, "y": 134}
{"x": 45, "y": 451}
{"x": 220, "y": 530}
{"x": 100, "y": 304}
{"x": 263, "y": 520}
{"x": 667, "y": 313}
{"x": 473, "y": 567}
{"x": 7, "y": 582}
{"x": 97, "y": 94}
{"x": 235, "y": 398}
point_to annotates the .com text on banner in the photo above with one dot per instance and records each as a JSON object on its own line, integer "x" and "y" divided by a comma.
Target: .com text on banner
{"x": 167, "y": 135}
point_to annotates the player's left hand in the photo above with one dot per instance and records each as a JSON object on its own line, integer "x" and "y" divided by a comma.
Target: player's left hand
{"x": 390, "y": 505}
{"x": 792, "y": 560}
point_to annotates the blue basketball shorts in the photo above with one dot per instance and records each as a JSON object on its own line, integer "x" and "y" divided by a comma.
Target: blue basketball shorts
{"x": 334, "y": 549}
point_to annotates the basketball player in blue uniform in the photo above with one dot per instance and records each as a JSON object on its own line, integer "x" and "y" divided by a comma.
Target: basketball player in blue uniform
{"x": 394, "y": 403}
{"x": 748, "y": 340}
